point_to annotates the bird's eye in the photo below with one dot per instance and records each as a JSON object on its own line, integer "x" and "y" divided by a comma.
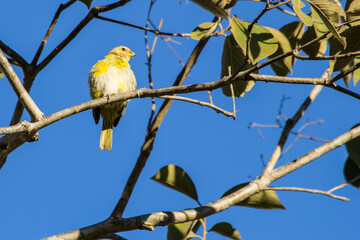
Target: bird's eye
{"x": 123, "y": 49}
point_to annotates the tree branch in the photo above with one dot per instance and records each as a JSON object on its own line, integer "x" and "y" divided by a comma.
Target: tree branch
{"x": 15, "y": 56}
{"x": 314, "y": 154}
{"x": 157, "y": 32}
{"x": 165, "y": 218}
{"x": 19, "y": 89}
{"x": 144, "y": 93}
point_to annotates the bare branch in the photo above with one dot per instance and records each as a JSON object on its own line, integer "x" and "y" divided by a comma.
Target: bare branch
{"x": 92, "y": 13}
{"x": 157, "y": 32}
{"x": 314, "y": 154}
{"x": 345, "y": 90}
{"x": 290, "y": 123}
{"x": 333, "y": 57}
{"x": 297, "y": 189}
{"x": 19, "y": 89}
{"x": 61, "y": 8}
{"x": 344, "y": 184}
{"x": 15, "y": 56}
{"x": 170, "y": 47}
{"x": 149, "y": 54}
{"x": 343, "y": 73}
{"x": 210, "y": 105}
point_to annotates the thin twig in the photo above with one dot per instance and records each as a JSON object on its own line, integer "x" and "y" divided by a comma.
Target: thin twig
{"x": 344, "y": 73}
{"x": 233, "y": 101}
{"x": 154, "y": 31}
{"x": 287, "y": 12}
{"x": 170, "y": 47}
{"x": 344, "y": 184}
{"x": 297, "y": 189}
{"x": 278, "y": 4}
{"x": 190, "y": 100}
{"x": 345, "y": 90}
{"x": 61, "y": 8}
{"x": 149, "y": 54}
{"x": 15, "y": 56}
{"x": 333, "y": 57}
{"x": 210, "y": 98}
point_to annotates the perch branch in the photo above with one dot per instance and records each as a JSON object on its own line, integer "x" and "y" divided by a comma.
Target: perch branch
{"x": 143, "y": 93}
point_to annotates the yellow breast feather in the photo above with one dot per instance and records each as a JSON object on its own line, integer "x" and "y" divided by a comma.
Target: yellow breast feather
{"x": 100, "y": 68}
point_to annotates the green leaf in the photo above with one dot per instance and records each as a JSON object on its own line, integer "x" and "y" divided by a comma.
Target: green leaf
{"x": 297, "y": 5}
{"x": 232, "y": 59}
{"x": 352, "y": 171}
{"x": 353, "y": 11}
{"x": 176, "y": 178}
{"x": 293, "y": 32}
{"x": 201, "y": 30}
{"x": 353, "y": 148}
{"x": 219, "y": 8}
{"x": 87, "y": 3}
{"x": 316, "y": 48}
{"x": 182, "y": 231}
{"x": 328, "y": 24}
{"x": 266, "y": 199}
{"x": 262, "y": 43}
{"x": 284, "y": 65}
{"x": 225, "y": 229}
{"x": 352, "y": 36}
{"x": 356, "y": 73}
{"x": 347, "y": 77}
{"x": 330, "y": 9}
{"x": 319, "y": 26}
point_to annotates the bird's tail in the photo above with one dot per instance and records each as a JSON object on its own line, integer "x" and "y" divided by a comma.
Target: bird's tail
{"x": 106, "y": 135}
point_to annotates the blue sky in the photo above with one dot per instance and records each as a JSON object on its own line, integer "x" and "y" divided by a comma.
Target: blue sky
{"x": 63, "y": 182}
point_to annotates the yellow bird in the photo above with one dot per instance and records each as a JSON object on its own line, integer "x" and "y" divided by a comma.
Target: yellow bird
{"x": 107, "y": 77}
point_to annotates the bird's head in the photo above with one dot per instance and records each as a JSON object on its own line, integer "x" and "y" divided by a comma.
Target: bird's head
{"x": 122, "y": 52}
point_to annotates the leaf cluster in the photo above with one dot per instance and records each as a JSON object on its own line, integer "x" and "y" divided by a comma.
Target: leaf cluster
{"x": 174, "y": 177}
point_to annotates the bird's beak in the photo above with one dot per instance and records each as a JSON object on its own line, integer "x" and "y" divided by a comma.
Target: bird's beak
{"x": 131, "y": 54}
